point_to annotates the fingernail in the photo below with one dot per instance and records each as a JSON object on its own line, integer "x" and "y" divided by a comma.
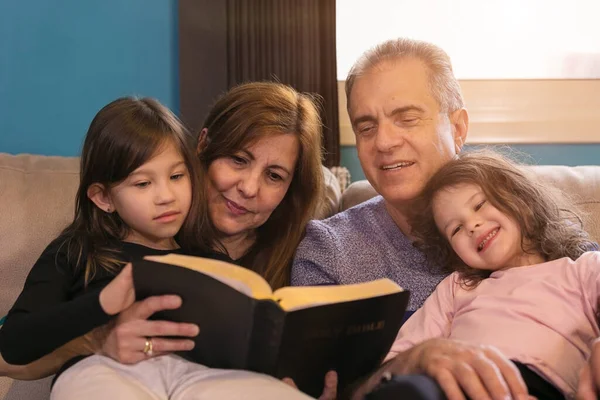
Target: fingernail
{"x": 173, "y": 301}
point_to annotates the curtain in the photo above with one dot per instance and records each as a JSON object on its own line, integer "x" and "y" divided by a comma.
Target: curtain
{"x": 202, "y": 38}
{"x": 289, "y": 41}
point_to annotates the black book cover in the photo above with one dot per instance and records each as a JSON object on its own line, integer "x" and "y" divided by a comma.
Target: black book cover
{"x": 241, "y": 332}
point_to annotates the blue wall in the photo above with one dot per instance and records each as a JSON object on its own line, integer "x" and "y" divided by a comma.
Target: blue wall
{"x": 62, "y": 60}
{"x": 543, "y": 154}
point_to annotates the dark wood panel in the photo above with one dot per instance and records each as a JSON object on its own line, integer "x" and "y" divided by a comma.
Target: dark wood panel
{"x": 202, "y": 57}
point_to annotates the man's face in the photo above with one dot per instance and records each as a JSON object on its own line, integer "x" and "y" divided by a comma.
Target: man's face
{"x": 402, "y": 137}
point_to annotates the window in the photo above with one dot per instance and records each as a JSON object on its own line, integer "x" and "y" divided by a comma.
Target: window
{"x": 529, "y": 69}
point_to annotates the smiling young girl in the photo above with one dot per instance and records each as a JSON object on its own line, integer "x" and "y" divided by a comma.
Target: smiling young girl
{"x": 523, "y": 282}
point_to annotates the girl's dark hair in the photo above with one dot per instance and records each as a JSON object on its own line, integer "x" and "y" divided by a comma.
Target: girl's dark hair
{"x": 548, "y": 221}
{"x": 123, "y": 135}
{"x": 245, "y": 114}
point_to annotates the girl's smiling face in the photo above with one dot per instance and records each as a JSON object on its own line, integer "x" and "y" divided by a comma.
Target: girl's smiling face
{"x": 481, "y": 235}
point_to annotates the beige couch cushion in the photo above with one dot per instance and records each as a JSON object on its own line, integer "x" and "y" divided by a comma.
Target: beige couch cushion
{"x": 25, "y": 390}
{"x": 36, "y": 203}
{"x": 332, "y": 196}
{"x": 581, "y": 183}
{"x": 36, "y": 198}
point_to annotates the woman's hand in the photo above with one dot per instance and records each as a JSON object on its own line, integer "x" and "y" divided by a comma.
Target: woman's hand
{"x": 126, "y": 338}
{"x": 329, "y": 388}
{"x": 122, "y": 339}
{"x": 589, "y": 378}
{"x": 480, "y": 372}
{"x": 132, "y": 337}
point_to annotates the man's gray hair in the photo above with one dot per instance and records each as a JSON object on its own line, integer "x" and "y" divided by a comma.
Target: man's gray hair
{"x": 443, "y": 84}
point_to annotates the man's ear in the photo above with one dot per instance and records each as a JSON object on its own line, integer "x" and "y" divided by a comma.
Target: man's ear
{"x": 99, "y": 195}
{"x": 202, "y": 140}
{"x": 460, "y": 126}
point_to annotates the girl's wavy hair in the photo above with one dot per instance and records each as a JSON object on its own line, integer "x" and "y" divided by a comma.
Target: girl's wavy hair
{"x": 123, "y": 135}
{"x": 549, "y": 223}
{"x": 245, "y": 114}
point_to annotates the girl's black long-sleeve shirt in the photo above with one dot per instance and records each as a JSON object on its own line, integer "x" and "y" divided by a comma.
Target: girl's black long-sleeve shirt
{"x": 56, "y": 306}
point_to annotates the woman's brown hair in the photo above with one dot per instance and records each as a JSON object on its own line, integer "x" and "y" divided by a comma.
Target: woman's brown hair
{"x": 123, "y": 135}
{"x": 547, "y": 219}
{"x": 239, "y": 118}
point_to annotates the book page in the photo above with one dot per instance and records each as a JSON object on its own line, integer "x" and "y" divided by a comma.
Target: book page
{"x": 294, "y": 298}
{"x": 239, "y": 278}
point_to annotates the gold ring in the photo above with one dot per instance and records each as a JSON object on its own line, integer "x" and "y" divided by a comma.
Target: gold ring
{"x": 148, "y": 347}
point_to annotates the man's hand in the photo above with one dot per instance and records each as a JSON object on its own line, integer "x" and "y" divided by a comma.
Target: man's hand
{"x": 479, "y": 372}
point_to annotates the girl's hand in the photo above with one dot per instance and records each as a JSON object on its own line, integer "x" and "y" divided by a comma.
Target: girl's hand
{"x": 119, "y": 294}
{"x": 125, "y": 339}
{"x": 329, "y": 389}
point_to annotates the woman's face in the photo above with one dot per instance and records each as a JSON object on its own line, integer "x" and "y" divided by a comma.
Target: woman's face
{"x": 245, "y": 188}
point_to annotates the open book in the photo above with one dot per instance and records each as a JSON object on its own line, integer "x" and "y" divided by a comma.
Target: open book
{"x": 296, "y": 332}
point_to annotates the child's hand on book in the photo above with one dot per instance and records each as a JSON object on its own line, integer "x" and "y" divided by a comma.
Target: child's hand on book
{"x": 329, "y": 389}
{"x": 119, "y": 293}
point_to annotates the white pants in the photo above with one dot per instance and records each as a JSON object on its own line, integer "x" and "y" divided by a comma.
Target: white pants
{"x": 166, "y": 377}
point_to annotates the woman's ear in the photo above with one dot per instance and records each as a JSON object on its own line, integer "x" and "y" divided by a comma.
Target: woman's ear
{"x": 98, "y": 194}
{"x": 202, "y": 140}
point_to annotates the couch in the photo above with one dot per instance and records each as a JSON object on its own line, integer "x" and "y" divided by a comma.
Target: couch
{"x": 36, "y": 202}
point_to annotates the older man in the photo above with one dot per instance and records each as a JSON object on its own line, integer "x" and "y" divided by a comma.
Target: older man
{"x": 408, "y": 116}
